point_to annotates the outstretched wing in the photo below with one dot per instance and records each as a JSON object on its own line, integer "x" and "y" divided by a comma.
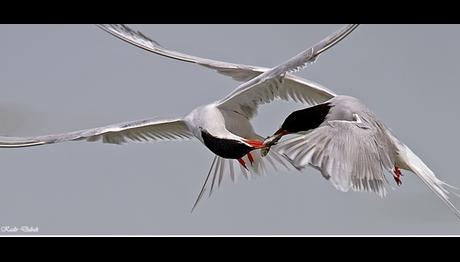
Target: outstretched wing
{"x": 134, "y": 131}
{"x": 349, "y": 154}
{"x": 238, "y": 72}
{"x": 294, "y": 87}
{"x": 266, "y": 87}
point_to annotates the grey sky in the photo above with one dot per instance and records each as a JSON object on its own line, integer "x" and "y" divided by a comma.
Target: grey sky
{"x": 57, "y": 78}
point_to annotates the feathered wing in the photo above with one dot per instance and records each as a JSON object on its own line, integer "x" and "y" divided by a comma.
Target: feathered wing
{"x": 238, "y": 72}
{"x": 349, "y": 155}
{"x": 134, "y": 131}
{"x": 267, "y": 86}
{"x": 408, "y": 160}
{"x": 353, "y": 156}
{"x": 293, "y": 87}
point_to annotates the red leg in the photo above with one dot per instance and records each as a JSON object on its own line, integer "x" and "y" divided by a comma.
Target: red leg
{"x": 241, "y": 161}
{"x": 397, "y": 175}
{"x": 251, "y": 159}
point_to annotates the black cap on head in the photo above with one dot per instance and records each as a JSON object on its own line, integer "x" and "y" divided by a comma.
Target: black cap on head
{"x": 306, "y": 119}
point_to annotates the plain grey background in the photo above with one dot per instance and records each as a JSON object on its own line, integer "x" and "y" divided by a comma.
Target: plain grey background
{"x": 57, "y": 78}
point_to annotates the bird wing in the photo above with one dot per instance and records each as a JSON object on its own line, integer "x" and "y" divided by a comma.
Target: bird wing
{"x": 351, "y": 155}
{"x": 294, "y": 87}
{"x": 269, "y": 85}
{"x": 134, "y": 131}
{"x": 238, "y": 72}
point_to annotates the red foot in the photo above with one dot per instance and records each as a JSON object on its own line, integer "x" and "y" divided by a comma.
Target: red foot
{"x": 241, "y": 161}
{"x": 397, "y": 175}
{"x": 251, "y": 159}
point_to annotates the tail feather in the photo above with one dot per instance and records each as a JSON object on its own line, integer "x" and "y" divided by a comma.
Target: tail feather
{"x": 410, "y": 161}
{"x": 219, "y": 170}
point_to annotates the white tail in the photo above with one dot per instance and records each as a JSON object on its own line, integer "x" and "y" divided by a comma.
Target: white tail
{"x": 410, "y": 161}
{"x": 221, "y": 166}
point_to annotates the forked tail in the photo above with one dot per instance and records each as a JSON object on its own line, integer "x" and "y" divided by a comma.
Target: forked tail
{"x": 410, "y": 161}
{"x": 256, "y": 165}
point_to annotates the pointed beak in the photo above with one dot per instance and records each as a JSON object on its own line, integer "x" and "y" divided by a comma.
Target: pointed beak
{"x": 256, "y": 144}
{"x": 272, "y": 140}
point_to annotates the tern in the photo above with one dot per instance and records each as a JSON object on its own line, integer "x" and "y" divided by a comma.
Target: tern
{"x": 352, "y": 148}
{"x": 223, "y": 126}
{"x": 331, "y": 121}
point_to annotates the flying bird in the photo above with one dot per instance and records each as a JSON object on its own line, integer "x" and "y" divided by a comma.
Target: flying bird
{"x": 223, "y": 126}
{"x": 351, "y": 147}
{"x": 341, "y": 132}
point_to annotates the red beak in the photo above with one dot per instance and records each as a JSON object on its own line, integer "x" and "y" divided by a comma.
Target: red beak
{"x": 257, "y": 144}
